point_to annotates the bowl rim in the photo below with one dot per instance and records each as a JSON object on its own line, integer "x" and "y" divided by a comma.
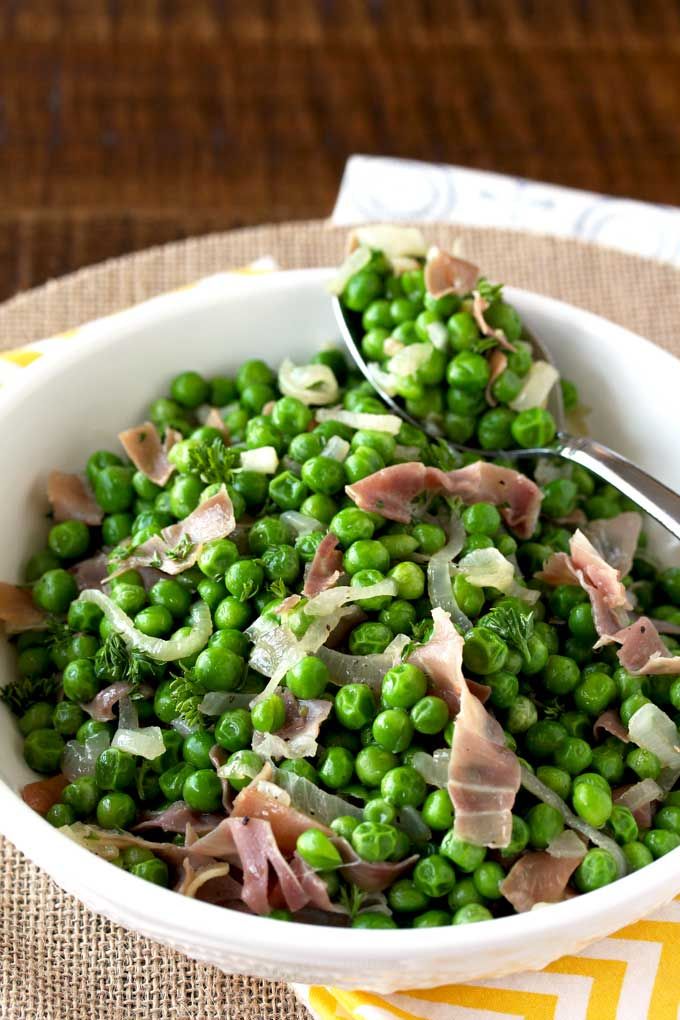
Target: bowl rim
{"x": 189, "y": 918}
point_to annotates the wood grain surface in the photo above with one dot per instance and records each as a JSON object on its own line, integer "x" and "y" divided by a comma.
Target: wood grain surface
{"x": 125, "y": 124}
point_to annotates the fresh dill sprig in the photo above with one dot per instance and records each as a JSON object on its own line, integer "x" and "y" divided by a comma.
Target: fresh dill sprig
{"x": 114, "y": 661}
{"x": 278, "y": 589}
{"x": 514, "y": 626}
{"x": 187, "y": 692}
{"x": 214, "y": 461}
{"x": 484, "y": 345}
{"x": 352, "y": 899}
{"x": 183, "y": 549}
{"x": 439, "y": 454}
{"x": 489, "y": 291}
{"x": 25, "y": 691}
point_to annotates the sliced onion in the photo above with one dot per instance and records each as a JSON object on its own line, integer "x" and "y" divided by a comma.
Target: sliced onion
{"x": 641, "y": 794}
{"x": 407, "y": 453}
{"x": 147, "y": 742}
{"x": 393, "y": 241}
{"x": 543, "y": 793}
{"x": 333, "y": 598}
{"x": 439, "y": 586}
{"x": 548, "y": 469}
{"x": 655, "y": 731}
{"x": 244, "y": 770}
{"x": 270, "y": 745}
{"x": 434, "y": 768}
{"x": 567, "y": 844}
{"x": 389, "y": 423}
{"x": 354, "y": 263}
{"x": 301, "y": 524}
{"x": 408, "y": 361}
{"x": 363, "y": 669}
{"x": 410, "y": 821}
{"x": 182, "y": 727}
{"x": 217, "y": 702}
{"x": 163, "y": 651}
{"x": 668, "y": 777}
{"x": 309, "y": 799}
{"x": 264, "y": 460}
{"x": 489, "y": 568}
{"x": 312, "y": 384}
{"x": 128, "y": 718}
{"x": 539, "y": 381}
{"x": 438, "y": 335}
{"x": 80, "y": 759}
{"x": 336, "y": 448}
{"x": 384, "y": 380}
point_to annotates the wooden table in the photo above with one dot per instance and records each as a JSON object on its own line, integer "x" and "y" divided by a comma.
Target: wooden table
{"x": 124, "y": 124}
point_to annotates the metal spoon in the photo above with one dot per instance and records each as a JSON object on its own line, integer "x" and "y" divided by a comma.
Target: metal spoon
{"x": 652, "y": 496}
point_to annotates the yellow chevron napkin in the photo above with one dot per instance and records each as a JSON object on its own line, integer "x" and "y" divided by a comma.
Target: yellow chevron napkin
{"x": 633, "y": 975}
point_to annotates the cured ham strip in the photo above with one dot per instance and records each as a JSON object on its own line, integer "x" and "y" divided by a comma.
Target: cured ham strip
{"x": 441, "y": 659}
{"x": 366, "y": 875}
{"x": 616, "y": 539}
{"x": 610, "y": 722}
{"x": 193, "y": 879}
{"x": 484, "y": 776}
{"x": 214, "y": 421}
{"x": 256, "y": 801}
{"x": 479, "y": 306}
{"x": 91, "y": 573}
{"x": 211, "y": 520}
{"x": 393, "y": 490}
{"x": 446, "y": 274}
{"x": 642, "y": 651}
{"x": 18, "y": 611}
{"x": 639, "y": 798}
{"x": 297, "y": 738}
{"x": 498, "y": 362}
{"x": 325, "y": 568}
{"x": 176, "y": 818}
{"x": 541, "y": 876}
{"x": 44, "y": 793}
{"x": 102, "y": 705}
{"x": 585, "y": 566}
{"x": 314, "y": 887}
{"x": 143, "y": 446}
{"x": 71, "y": 499}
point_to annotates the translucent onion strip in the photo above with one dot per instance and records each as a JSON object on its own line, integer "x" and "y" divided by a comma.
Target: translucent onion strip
{"x": 312, "y": 384}
{"x": 302, "y": 524}
{"x": 156, "y": 648}
{"x": 361, "y": 419}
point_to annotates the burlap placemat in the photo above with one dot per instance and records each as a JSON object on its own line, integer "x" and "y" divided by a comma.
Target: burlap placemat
{"x": 58, "y": 960}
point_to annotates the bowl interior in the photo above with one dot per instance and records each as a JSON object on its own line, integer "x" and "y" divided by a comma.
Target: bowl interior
{"x": 64, "y": 409}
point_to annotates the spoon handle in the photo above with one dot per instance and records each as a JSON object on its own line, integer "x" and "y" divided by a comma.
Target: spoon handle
{"x": 652, "y": 496}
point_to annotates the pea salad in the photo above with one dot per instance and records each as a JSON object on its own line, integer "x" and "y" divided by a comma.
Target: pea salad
{"x": 285, "y": 653}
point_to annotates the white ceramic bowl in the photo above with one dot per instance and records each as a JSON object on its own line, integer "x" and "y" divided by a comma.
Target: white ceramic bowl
{"x": 63, "y": 409}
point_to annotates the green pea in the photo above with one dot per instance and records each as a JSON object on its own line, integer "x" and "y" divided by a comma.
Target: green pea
{"x": 34, "y": 662}
{"x": 373, "y": 919}
{"x": 430, "y": 715}
{"x": 43, "y": 749}
{"x": 372, "y": 763}
{"x": 60, "y": 814}
{"x": 374, "y": 841}
{"x": 595, "y": 693}
{"x": 403, "y": 686}
{"x": 463, "y": 894}
{"x": 545, "y": 823}
{"x": 156, "y": 621}
{"x": 113, "y": 488}
{"x": 300, "y": 767}
{"x": 69, "y": 540}
{"x": 437, "y": 810}
{"x": 630, "y": 706}
{"x": 115, "y": 769}
{"x": 116, "y": 811}
{"x": 544, "y": 737}
{"x": 487, "y": 879}
{"x": 154, "y": 870}
{"x": 410, "y": 580}
{"x": 202, "y": 790}
{"x": 431, "y": 919}
{"x": 556, "y": 779}
{"x": 660, "y": 842}
{"x": 39, "y": 564}
{"x": 484, "y": 652}
{"x": 644, "y": 763}
{"x": 261, "y": 431}
{"x": 608, "y": 762}
{"x": 344, "y": 826}
{"x": 637, "y": 856}
{"x": 623, "y": 824}
{"x": 269, "y": 714}
{"x": 336, "y": 767}
{"x": 521, "y": 715}
{"x": 378, "y": 810}
{"x": 481, "y": 519}
{"x": 534, "y": 427}
{"x": 560, "y": 675}
{"x": 67, "y": 718}
{"x": 362, "y": 462}
{"x": 37, "y": 717}
{"x": 317, "y": 850}
{"x": 171, "y": 781}
{"x": 519, "y": 837}
{"x": 434, "y": 876}
{"x": 504, "y": 688}
{"x": 592, "y": 803}
{"x": 573, "y": 755}
{"x": 465, "y": 856}
{"x": 54, "y": 591}
{"x": 361, "y": 290}
{"x": 232, "y": 614}
{"x": 393, "y": 729}
{"x": 403, "y": 786}
{"x": 597, "y": 869}
{"x": 399, "y": 616}
{"x": 354, "y": 706}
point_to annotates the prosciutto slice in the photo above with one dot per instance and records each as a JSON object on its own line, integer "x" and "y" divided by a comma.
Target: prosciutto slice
{"x": 484, "y": 776}
{"x": 214, "y": 421}
{"x": 371, "y": 877}
{"x": 143, "y": 446}
{"x": 639, "y": 798}
{"x": 314, "y": 887}
{"x": 71, "y": 499}
{"x": 446, "y": 274}
{"x": 297, "y": 738}
{"x": 18, "y": 611}
{"x": 642, "y": 651}
{"x": 325, "y": 568}
{"x": 441, "y": 659}
{"x": 257, "y": 801}
{"x": 542, "y": 876}
{"x": 176, "y": 818}
{"x": 479, "y": 306}
{"x": 44, "y": 793}
{"x": 102, "y": 705}
{"x": 498, "y": 362}
{"x": 584, "y": 565}
{"x": 393, "y": 491}
{"x": 91, "y": 573}
{"x": 616, "y": 539}
{"x": 211, "y": 520}
{"x": 610, "y": 722}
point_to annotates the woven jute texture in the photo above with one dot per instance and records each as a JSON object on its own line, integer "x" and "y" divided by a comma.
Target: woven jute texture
{"x": 58, "y": 960}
